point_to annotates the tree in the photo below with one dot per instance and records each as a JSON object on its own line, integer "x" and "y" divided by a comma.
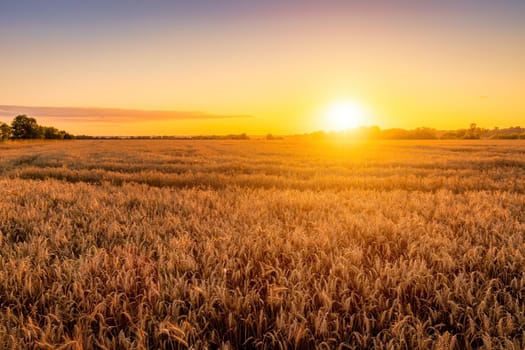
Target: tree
{"x": 51, "y": 133}
{"x": 423, "y": 133}
{"x": 473, "y": 132}
{"x": 5, "y": 131}
{"x": 24, "y": 127}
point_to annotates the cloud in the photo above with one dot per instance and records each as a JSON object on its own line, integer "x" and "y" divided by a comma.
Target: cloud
{"x": 108, "y": 115}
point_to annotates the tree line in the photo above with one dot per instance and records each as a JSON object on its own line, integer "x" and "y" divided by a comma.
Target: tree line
{"x": 473, "y": 132}
{"x": 24, "y": 128}
{"x": 242, "y": 136}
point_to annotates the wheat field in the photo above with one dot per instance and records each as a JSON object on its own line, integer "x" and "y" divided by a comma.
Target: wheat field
{"x": 126, "y": 244}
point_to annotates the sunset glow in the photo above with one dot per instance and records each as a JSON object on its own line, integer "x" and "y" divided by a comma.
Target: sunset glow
{"x": 345, "y": 115}
{"x": 443, "y": 64}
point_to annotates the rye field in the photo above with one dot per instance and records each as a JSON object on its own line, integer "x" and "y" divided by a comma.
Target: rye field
{"x": 284, "y": 244}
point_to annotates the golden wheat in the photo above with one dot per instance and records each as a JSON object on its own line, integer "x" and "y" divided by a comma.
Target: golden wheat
{"x": 262, "y": 244}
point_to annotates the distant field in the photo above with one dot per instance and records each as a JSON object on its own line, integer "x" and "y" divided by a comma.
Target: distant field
{"x": 262, "y": 244}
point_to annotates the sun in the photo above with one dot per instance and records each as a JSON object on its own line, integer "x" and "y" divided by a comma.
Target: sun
{"x": 345, "y": 115}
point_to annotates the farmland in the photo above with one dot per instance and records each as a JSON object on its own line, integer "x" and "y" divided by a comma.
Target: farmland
{"x": 262, "y": 244}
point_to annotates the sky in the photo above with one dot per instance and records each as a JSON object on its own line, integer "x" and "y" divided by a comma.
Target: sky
{"x": 131, "y": 67}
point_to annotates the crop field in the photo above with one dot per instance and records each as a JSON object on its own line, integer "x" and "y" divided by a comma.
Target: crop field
{"x": 173, "y": 244}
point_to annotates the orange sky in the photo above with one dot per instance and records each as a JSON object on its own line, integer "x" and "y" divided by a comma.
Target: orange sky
{"x": 274, "y": 68}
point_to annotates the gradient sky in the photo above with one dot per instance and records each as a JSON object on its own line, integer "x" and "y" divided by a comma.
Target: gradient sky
{"x": 230, "y": 66}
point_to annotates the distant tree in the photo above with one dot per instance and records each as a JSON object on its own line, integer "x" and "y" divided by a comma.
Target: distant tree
{"x": 319, "y": 134}
{"x": 395, "y": 133}
{"x": 273, "y": 137}
{"x": 423, "y": 133}
{"x": 52, "y": 133}
{"x": 5, "y": 131}
{"x": 24, "y": 127}
{"x": 88, "y": 137}
{"x": 473, "y": 132}
{"x": 450, "y": 135}
{"x": 366, "y": 132}
{"x": 66, "y": 136}
{"x": 242, "y": 136}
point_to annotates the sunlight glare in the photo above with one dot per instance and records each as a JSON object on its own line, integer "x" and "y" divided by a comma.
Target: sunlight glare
{"x": 345, "y": 115}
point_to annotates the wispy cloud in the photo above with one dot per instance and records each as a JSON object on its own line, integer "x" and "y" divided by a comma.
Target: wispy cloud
{"x": 108, "y": 115}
